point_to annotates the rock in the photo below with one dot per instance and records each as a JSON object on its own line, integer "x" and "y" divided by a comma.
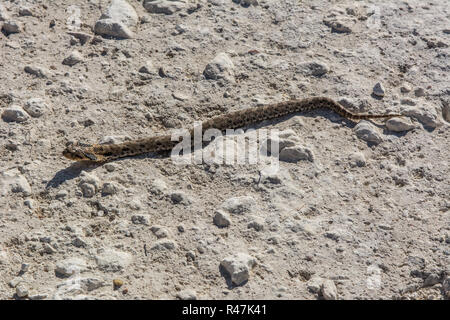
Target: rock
{"x": 446, "y": 109}
{"x": 187, "y": 295}
{"x": 81, "y": 36}
{"x": 13, "y": 181}
{"x": 25, "y": 11}
{"x": 399, "y": 124}
{"x": 338, "y": 25}
{"x": 246, "y": 3}
{"x": 239, "y": 205}
{"x": 314, "y": 284}
{"x": 378, "y": 89}
{"x": 221, "y": 67}
{"x": 419, "y": 92}
{"x": 221, "y": 219}
{"x": 4, "y": 16}
{"x": 70, "y": 266}
{"x": 141, "y": 219}
{"x": 24, "y": 267}
{"x": 74, "y": 58}
{"x": 238, "y": 267}
{"x": 405, "y": 88}
{"x": 148, "y": 68}
{"x": 108, "y": 27}
{"x": 112, "y": 261}
{"x": 256, "y": 223}
{"x": 117, "y": 21}
{"x": 165, "y": 244}
{"x": 164, "y": 6}
{"x": 89, "y": 185}
{"x": 10, "y": 27}
{"x": 446, "y": 287}
{"x": 109, "y": 188}
{"x": 160, "y": 232}
{"x": 35, "y": 107}
{"x": 408, "y": 102}
{"x": 368, "y": 132}
{"x": 37, "y": 71}
{"x": 158, "y": 187}
{"x": 296, "y": 153}
{"x": 329, "y": 290}
{"x": 14, "y": 114}
{"x": 180, "y": 197}
{"x": 313, "y": 68}
{"x": 431, "y": 280}
{"x": 21, "y": 290}
{"x": 357, "y": 159}
{"x": 117, "y": 283}
{"x": 426, "y": 115}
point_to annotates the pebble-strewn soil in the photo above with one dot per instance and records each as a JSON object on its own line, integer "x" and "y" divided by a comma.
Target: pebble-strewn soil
{"x": 355, "y": 211}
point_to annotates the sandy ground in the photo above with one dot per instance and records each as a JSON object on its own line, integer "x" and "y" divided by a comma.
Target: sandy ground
{"x": 366, "y": 216}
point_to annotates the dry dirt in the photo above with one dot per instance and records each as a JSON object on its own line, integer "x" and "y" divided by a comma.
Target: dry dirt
{"x": 365, "y": 217}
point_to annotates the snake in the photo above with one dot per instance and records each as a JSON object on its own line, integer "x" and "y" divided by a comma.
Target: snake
{"x": 238, "y": 119}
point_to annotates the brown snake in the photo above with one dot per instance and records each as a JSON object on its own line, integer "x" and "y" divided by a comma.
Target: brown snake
{"x": 233, "y": 120}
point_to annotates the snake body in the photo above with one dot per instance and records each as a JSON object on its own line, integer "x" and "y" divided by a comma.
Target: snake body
{"x": 233, "y": 120}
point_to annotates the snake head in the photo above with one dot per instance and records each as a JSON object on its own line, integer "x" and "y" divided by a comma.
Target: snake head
{"x": 79, "y": 152}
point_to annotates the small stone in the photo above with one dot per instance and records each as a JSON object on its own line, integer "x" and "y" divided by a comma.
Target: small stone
{"x": 426, "y": 114}
{"x": 81, "y": 36}
{"x": 256, "y": 223}
{"x": 113, "y": 261}
{"x": 10, "y": 27}
{"x": 14, "y": 114}
{"x": 165, "y": 244}
{"x": 180, "y": 197}
{"x": 238, "y": 267}
{"x": 35, "y": 107}
{"x": 431, "y": 280}
{"x": 117, "y": 283}
{"x": 446, "y": 287}
{"x": 246, "y": 3}
{"x": 4, "y": 16}
{"x": 37, "y": 71}
{"x": 368, "y": 132}
{"x": 108, "y": 27}
{"x": 21, "y": 290}
{"x": 74, "y": 58}
{"x": 399, "y": 124}
{"x": 296, "y": 153}
{"x": 187, "y": 295}
{"x": 79, "y": 242}
{"x": 24, "y": 267}
{"x": 357, "y": 159}
{"x": 405, "y": 88}
{"x": 148, "y": 68}
{"x": 160, "y": 232}
{"x": 313, "y": 68}
{"x": 329, "y": 290}
{"x": 158, "y": 187}
{"x": 109, "y": 188}
{"x": 446, "y": 109}
{"x": 222, "y": 219}
{"x": 315, "y": 284}
{"x": 141, "y": 219}
{"x": 239, "y": 205}
{"x": 408, "y": 102}
{"x": 338, "y": 25}
{"x": 88, "y": 190}
{"x": 70, "y": 266}
{"x": 221, "y": 67}
{"x": 25, "y": 11}
{"x": 164, "y": 6}
{"x": 378, "y": 89}
{"x": 13, "y": 181}
{"x": 419, "y": 92}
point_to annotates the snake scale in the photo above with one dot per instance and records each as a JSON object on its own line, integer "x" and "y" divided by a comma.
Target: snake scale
{"x": 237, "y": 119}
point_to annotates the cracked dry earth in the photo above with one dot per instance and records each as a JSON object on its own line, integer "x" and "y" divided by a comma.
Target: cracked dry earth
{"x": 355, "y": 211}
